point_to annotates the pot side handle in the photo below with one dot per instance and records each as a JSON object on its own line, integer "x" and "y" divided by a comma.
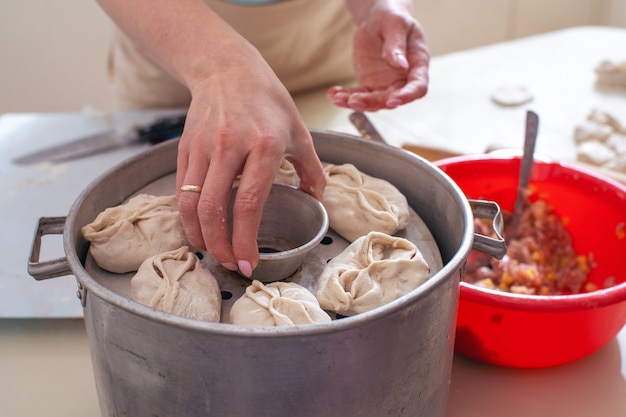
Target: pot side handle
{"x": 52, "y": 268}
{"x": 495, "y": 247}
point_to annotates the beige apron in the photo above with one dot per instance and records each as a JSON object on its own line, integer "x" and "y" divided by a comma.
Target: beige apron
{"x": 308, "y": 43}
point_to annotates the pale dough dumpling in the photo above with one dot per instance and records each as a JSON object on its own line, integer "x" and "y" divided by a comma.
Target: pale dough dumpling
{"x": 372, "y": 271}
{"x": 601, "y": 141}
{"x": 358, "y": 203}
{"x": 176, "y": 282}
{"x": 604, "y": 118}
{"x": 277, "y": 304}
{"x": 124, "y": 236}
{"x": 511, "y": 95}
{"x": 591, "y": 131}
{"x": 617, "y": 164}
{"x": 617, "y": 142}
{"x": 595, "y": 153}
{"x": 612, "y": 74}
{"x": 287, "y": 174}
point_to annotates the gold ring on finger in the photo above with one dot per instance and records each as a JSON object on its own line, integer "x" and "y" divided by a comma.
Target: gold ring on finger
{"x": 192, "y": 188}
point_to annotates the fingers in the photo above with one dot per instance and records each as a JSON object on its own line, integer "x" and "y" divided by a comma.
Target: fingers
{"x": 257, "y": 177}
{"x": 252, "y": 192}
{"x": 391, "y": 63}
{"x": 212, "y": 210}
{"x": 312, "y": 178}
{"x": 419, "y": 59}
{"x": 409, "y": 51}
{"x": 355, "y": 98}
{"x": 188, "y": 200}
{"x": 361, "y": 99}
{"x": 412, "y": 87}
{"x": 394, "y": 50}
{"x": 204, "y": 214}
{"x": 308, "y": 166}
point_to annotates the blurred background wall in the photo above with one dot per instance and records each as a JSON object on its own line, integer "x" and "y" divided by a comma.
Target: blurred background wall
{"x": 53, "y": 52}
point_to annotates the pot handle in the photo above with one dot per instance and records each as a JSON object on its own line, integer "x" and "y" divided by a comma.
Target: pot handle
{"x": 52, "y": 268}
{"x": 495, "y": 247}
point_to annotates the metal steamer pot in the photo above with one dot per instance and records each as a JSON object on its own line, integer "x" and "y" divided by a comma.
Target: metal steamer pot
{"x": 392, "y": 361}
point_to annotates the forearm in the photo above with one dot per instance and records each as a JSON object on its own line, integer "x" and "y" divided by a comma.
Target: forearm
{"x": 360, "y": 8}
{"x": 185, "y": 37}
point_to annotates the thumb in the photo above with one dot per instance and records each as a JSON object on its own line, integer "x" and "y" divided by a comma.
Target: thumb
{"x": 394, "y": 49}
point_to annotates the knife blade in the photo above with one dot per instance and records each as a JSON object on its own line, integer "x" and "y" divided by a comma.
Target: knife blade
{"x": 162, "y": 129}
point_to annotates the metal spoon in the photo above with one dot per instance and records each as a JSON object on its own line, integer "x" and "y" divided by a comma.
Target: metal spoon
{"x": 530, "y": 138}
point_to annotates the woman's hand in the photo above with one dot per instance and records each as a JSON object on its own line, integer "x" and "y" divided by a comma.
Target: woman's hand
{"x": 390, "y": 57}
{"x": 241, "y": 121}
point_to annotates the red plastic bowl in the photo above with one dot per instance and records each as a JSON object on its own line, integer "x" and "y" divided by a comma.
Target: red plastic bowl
{"x": 539, "y": 331}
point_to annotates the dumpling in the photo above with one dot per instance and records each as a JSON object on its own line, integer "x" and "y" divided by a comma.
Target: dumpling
{"x": 287, "y": 174}
{"x": 358, "y": 203}
{"x": 611, "y": 74}
{"x": 372, "y": 271}
{"x": 176, "y": 282}
{"x": 277, "y": 304}
{"x": 124, "y": 236}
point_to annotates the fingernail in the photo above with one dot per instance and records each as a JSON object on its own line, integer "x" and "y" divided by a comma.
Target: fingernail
{"x": 245, "y": 268}
{"x": 230, "y": 266}
{"x": 356, "y": 104}
{"x": 401, "y": 60}
{"x": 394, "y": 102}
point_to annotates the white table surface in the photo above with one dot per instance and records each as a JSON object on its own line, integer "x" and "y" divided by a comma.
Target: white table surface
{"x": 44, "y": 358}
{"x": 28, "y": 192}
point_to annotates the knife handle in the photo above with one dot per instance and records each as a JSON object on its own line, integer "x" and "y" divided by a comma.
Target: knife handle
{"x": 163, "y": 129}
{"x": 365, "y": 127}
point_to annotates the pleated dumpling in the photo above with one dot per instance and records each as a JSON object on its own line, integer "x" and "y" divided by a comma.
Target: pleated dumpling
{"x": 176, "y": 282}
{"x": 358, "y": 203}
{"x": 277, "y": 304}
{"x": 372, "y": 271}
{"x": 124, "y": 236}
{"x": 287, "y": 174}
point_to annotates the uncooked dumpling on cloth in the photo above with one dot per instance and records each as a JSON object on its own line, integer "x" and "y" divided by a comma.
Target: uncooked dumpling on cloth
{"x": 277, "y": 304}
{"x": 591, "y": 131}
{"x": 617, "y": 164}
{"x": 124, "y": 236}
{"x": 372, "y": 271}
{"x": 617, "y": 142}
{"x": 604, "y": 118}
{"x": 511, "y": 95}
{"x": 358, "y": 203}
{"x": 595, "y": 153}
{"x": 176, "y": 282}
